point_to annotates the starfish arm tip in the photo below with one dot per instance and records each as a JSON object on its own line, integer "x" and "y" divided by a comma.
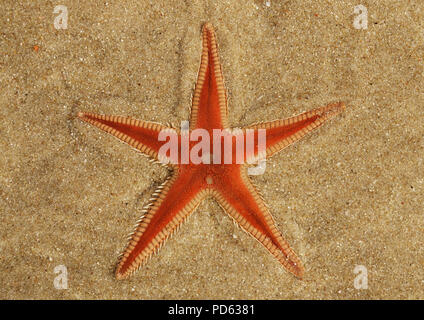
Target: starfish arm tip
{"x": 334, "y": 108}
{"x": 80, "y": 114}
{"x": 119, "y": 275}
{"x": 207, "y": 26}
{"x": 300, "y": 273}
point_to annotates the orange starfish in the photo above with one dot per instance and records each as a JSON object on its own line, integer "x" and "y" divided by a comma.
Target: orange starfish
{"x": 192, "y": 182}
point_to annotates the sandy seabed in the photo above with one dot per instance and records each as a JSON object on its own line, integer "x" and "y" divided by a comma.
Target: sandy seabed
{"x": 348, "y": 195}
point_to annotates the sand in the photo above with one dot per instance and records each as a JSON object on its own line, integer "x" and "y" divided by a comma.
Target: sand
{"x": 349, "y": 194}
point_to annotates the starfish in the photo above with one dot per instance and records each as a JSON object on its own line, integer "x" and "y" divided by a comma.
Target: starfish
{"x": 191, "y": 182}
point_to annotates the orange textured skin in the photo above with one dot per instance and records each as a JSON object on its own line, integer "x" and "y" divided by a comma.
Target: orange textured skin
{"x": 190, "y": 183}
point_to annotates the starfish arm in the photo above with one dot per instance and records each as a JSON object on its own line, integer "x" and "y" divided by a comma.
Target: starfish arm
{"x": 282, "y": 133}
{"x": 141, "y": 135}
{"x": 174, "y": 201}
{"x": 246, "y": 206}
{"x": 209, "y": 105}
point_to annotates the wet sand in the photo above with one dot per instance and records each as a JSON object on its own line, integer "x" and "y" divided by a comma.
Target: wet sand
{"x": 349, "y": 194}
